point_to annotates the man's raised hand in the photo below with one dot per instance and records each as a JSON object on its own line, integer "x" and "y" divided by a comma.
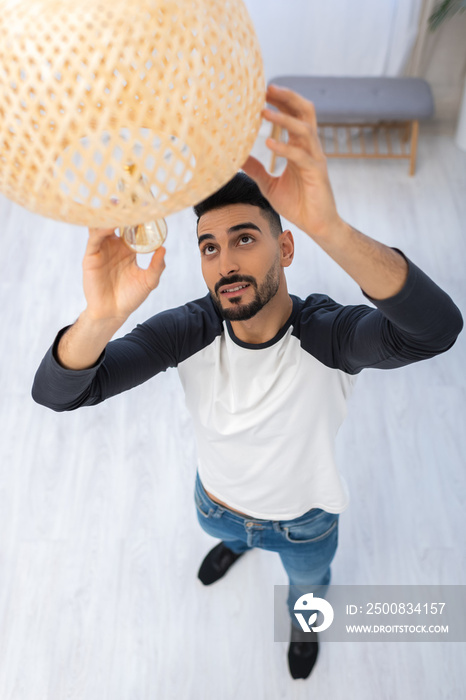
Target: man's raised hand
{"x": 114, "y": 284}
{"x": 302, "y": 193}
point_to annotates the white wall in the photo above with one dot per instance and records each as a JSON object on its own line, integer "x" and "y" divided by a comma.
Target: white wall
{"x": 440, "y": 58}
{"x": 363, "y": 37}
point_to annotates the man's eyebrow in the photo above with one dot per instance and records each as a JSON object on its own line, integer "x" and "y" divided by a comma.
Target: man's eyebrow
{"x": 233, "y": 229}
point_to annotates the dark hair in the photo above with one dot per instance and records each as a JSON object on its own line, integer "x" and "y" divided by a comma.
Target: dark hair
{"x": 241, "y": 189}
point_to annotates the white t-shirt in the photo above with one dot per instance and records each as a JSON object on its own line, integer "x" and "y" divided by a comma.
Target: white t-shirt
{"x": 266, "y": 416}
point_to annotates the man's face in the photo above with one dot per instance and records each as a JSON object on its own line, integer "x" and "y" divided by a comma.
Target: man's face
{"x": 238, "y": 250}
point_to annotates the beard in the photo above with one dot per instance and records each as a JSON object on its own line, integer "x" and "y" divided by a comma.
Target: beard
{"x": 263, "y": 294}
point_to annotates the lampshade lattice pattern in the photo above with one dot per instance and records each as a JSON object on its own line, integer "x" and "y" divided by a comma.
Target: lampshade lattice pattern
{"x": 114, "y": 113}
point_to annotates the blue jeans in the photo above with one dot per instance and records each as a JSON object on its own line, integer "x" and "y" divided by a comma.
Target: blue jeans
{"x": 306, "y": 545}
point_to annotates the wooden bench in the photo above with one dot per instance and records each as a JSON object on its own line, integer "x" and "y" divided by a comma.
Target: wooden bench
{"x": 361, "y": 107}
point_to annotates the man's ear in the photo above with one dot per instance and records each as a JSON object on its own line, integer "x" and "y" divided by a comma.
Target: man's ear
{"x": 286, "y": 243}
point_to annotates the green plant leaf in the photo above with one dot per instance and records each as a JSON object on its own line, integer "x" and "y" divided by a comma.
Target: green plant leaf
{"x": 444, "y": 10}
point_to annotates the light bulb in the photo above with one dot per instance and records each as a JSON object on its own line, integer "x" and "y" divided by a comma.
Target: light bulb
{"x": 145, "y": 237}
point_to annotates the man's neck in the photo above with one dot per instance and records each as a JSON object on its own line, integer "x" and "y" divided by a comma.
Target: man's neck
{"x": 267, "y": 322}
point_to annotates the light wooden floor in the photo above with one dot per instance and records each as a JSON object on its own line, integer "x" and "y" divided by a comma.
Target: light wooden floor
{"x": 99, "y": 541}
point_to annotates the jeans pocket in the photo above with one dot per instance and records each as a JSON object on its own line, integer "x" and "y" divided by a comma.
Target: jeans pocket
{"x": 202, "y": 508}
{"x": 310, "y": 532}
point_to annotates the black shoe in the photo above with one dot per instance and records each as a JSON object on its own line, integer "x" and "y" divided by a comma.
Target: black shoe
{"x": 302, "y": 652}
{"x": 216, "y": 563}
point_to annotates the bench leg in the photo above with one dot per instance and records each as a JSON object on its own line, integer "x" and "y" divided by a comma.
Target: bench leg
{"x": 276, "y": 134}
{"x": 414, "y": 135}
{"x": 406, "y": 128}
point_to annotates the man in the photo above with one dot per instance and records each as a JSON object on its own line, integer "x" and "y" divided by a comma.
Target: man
{"x": 266, "y": 375}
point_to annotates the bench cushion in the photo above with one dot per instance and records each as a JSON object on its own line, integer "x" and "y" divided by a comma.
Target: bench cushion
{"x": 349, "y": 99}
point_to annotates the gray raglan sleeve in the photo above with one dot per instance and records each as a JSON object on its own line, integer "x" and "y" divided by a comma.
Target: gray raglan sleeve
{"x": 151, "y": 347}
{"x": 417, "y": 323}
{"x": 125, "y": 362}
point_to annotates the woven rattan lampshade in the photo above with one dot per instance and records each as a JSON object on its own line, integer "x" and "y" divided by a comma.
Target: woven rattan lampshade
{"x": 116, "y": 112}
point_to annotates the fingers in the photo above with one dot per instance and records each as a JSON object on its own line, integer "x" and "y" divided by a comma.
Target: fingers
{"x": 96, "y": 237}
{"x": 291, "y": 103}
{"x": 156, "y": 267}
{"x": 291, "y": 124}
{"x": 256, "y": 170}
{"x": 294, "y": 154}
{"x": 302, "y": 129}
